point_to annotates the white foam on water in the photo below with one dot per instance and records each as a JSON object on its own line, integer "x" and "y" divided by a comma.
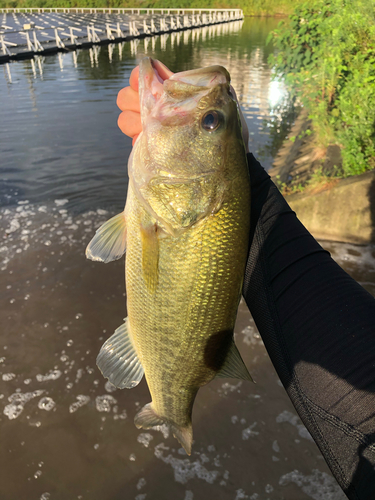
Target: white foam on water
{"x": 61, "y": 203}
{"x": 81, "y": 401}
{"x": 164, "y": 429}
{"x": 51, "y": 375}
{"x": 145, "y": 439}
{"x": 318, "y": 485}
{"x": 28, "y": 225}
{"x": 132, "y": 457}
{"x": 110, "y": 387}
{"x": 247, "y": 433}
{"x": 226, "y": 388}
{"x": 268, "y": 488}
{"x": 275, "y": 447}
{"x": 287, "y": 416}
{"x": 104, "y": 403}
{"x": 120, "y": 416}
{"x": 185, "y": 469}
{"x": 79, "y": 374}
{"x": 45, "y": 496}
{"x": 241, "y": 495}
{"x": 142, "y": 496}
{"x": 18, "y": 401}
{"x": 46, "y": 404}
{"x": 8, "y": 376}
{"x": 189, "y": 495}
{"x": 251, "y": 336}
{"x": 141, "y": 483}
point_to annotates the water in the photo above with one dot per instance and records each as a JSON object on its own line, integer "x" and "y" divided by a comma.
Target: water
{"x": 60, "y": 115}
{"x": 67, "y": 433}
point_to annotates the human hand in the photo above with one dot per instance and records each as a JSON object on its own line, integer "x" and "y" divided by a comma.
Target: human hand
{"x": 129, "y": 120}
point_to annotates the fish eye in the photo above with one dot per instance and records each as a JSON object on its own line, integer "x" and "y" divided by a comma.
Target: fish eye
{"x": 212, "y": 120}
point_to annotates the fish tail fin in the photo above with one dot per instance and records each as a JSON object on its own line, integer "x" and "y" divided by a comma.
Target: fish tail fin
{"x": 184, "y": 435}
{"x": 146, "y": 418}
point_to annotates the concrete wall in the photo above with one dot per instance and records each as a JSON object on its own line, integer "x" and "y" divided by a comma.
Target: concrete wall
{"x": 344, "y": 212}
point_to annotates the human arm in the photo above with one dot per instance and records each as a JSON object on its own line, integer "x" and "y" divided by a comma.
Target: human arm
{"x": 318, "y": 326}
{"x": 316, "y": 322}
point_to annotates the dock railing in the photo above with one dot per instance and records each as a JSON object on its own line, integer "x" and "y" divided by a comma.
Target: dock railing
{"x": 35, "y": 31}
{"x": 39, "y": 10}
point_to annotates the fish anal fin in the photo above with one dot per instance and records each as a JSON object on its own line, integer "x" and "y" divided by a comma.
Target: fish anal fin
{"x": 118, "y": 360}
{"x": 146, "y": 418}
{"x": 233, "y": 366}
{"x": 150, "y": 255}
{"x": 109, "y": 242}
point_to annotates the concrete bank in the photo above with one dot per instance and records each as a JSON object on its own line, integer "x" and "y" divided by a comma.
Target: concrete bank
{"x": 342, "y": 212}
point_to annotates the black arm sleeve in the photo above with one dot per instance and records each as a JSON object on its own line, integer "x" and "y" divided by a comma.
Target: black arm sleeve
{"x": 318, "y": 326}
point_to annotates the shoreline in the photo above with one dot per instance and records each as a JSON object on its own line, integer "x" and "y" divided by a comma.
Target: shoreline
{"x": 331, "y": 208}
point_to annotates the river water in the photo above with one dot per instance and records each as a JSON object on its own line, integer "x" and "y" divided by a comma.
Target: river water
{"x": 65, "y": 433}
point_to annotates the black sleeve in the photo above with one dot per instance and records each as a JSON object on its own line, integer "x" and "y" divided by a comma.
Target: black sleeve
{"x": 318, "y": 326}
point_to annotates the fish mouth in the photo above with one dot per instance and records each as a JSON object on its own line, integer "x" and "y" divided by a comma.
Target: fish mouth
{"x": 150, "y": 76}
{"x": 150, "y": 86}
{"x": 203, "y": 77}
{"x": 186, "y": 87}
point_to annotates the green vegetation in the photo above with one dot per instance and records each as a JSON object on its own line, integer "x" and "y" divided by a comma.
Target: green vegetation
{"x": 326, "y": 53}
{"x": 250, "y": 7}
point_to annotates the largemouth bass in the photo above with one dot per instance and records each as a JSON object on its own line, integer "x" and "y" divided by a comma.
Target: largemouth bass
{"x": 185, "y": 229}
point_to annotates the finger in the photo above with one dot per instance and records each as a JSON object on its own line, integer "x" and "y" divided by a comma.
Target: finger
{"x": 133, "y": 80}
{"x": 128, "y": 99}
{"x": 130, "y": 123}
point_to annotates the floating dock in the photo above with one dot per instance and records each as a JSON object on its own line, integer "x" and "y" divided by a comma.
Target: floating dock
{"x": 25, "y": 33}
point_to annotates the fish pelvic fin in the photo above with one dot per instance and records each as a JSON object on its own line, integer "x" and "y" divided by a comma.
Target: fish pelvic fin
{"x": 109, "y": 242}
{"x": 118, "y": 360}
{"x": 233, "y": 366}
{"x": 146, "y": 418}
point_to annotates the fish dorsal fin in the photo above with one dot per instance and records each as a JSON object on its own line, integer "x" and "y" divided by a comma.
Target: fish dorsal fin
{"x": 109, "y": 242}
{"x": 233, "y": 366}
{"x": 150, "y": 255}
{"x": 118, "y": 361}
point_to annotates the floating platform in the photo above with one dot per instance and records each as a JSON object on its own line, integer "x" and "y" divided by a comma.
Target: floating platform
{"x": 25, "y": 33}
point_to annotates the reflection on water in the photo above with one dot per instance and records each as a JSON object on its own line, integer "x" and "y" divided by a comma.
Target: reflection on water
{"x": 66, "y": 432}
{"x": 59, "y": 114}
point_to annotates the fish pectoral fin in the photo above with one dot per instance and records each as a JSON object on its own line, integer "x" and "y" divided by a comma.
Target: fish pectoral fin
{"x": 109, "y": 242}
{"x": 146, "y": 418}
{"x": 233, "y": 366}
{"x": 150, "y": 255}
{"x": 118, "y": 360}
